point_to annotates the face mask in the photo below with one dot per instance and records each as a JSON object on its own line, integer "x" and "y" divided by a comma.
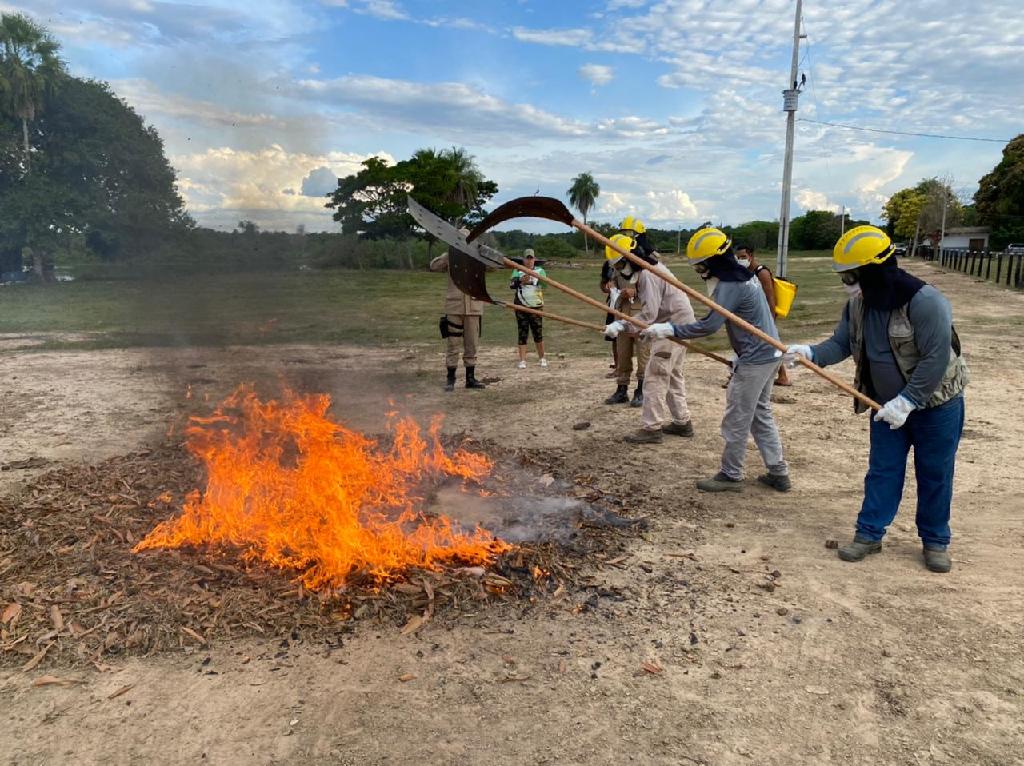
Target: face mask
{"x": 712, "y": 283}
{"x": 852, "y": 290}
{"x": 744, "y": 262}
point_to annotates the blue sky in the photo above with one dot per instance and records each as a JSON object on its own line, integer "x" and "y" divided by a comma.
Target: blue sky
{"x": 674, "y": 106}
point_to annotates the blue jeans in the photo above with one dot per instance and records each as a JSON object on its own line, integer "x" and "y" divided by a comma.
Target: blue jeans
{"x": 935, "y": 435}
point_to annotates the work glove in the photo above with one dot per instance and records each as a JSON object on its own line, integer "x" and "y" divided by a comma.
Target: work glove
{"x": 613, "y": 296}
{"x": 658, "y": 331}
{"x": 895, "y": 412}
{"x": 789, "y": 358}
{"x": 611, "y": 331}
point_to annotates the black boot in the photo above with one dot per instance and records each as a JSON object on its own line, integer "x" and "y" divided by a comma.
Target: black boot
{"x": 449, "y": 384}
{"x": 619, "y": 397}
{"x": 471, "y": 381}
{"x": 638, "y": 395}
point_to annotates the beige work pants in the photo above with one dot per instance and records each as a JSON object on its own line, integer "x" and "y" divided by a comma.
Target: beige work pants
{"x": 625, "y": 347}
{"x": 463, "y": 337}
{"x": 664, "y": 386}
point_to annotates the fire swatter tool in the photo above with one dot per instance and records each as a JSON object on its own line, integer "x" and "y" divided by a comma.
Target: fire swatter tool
{"x": 469, "y": 276}
{"x": 488, "y": 256}
{"x": 554, "y": 210}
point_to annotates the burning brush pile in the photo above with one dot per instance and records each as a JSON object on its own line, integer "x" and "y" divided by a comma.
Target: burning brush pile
{"x": 302, "y": 525}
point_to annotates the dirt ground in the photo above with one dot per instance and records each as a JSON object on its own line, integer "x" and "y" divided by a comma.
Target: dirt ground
{"x": 770, "y": 650}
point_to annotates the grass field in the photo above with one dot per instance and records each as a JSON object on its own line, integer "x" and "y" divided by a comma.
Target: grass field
{"x": 363, "y": 307}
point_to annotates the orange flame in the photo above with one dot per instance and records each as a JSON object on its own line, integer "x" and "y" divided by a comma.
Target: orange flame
{"x": 297, "y": 490}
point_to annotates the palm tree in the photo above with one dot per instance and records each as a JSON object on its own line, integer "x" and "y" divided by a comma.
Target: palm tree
{"x": 29, "y": 70}
{"x": 582, "y": 194}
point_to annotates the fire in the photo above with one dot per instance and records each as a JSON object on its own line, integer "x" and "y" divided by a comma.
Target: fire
{"x": 297, "y": 490}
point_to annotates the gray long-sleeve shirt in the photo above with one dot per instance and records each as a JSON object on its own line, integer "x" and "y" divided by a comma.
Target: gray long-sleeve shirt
{"x": 747, "y": 300}
{"x": 932, "y": 318}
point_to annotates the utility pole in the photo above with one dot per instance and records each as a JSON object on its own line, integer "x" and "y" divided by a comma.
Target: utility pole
{"x": 842, "y": 222}
{"x": 790, "y": 97}
{"x": 938, "y": 245}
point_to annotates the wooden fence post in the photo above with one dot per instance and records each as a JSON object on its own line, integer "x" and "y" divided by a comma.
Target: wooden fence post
{"x": 999, "y": 265}
{"x": 988, "y": 264}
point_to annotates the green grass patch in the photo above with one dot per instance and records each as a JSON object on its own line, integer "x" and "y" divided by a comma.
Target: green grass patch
{"x": 360, "y": 307}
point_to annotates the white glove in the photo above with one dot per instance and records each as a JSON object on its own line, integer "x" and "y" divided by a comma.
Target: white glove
{"x": 896, "y": 411}
{"x": 789, "y": 358}
{"x": 658, "y": 331}
{"x": 612, "y": 330}
{"x": 613, "y": 296}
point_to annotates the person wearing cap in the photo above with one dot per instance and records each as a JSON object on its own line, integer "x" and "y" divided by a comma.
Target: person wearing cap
{"x": 665, "y": 410}
{"x": 529, "y": 293}
{"x": 460, "y": 327}
{"x": 748, "y": 407}
{"x": 899, "y": 331}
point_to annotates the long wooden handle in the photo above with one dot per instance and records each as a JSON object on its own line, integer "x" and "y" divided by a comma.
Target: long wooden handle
{"x": 738, "y": 321}
{"x": 548, "y": 315}
{"x": 510, "y": 264}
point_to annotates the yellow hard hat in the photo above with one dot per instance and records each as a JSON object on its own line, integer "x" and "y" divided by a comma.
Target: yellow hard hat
{"x": 707, "y": 243}
{"x": 622, "y": 240}
{"x": 861, "y": 246}
{"x": 629, "y": 223}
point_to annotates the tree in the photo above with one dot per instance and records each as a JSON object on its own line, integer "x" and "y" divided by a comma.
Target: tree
{"x": 582, "y": 195}
{"x": 815, "y": 230}
{"x": 29, "y": 71}
{"x": 447, "y": 182}
{"x": 999, "y": 201}
{"x": 98, "y": 173}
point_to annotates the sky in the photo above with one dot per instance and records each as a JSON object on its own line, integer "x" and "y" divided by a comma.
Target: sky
{"x": 675, "y": 106}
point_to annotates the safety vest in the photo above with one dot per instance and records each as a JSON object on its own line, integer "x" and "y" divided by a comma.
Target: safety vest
{"x": 905, "y": 350}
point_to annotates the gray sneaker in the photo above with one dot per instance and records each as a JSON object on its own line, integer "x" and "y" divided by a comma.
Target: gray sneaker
{"x": 644, "y": 436}
{"x": 859, "y": 548}
{"x": 720, "y": 483}
{"x": 937, "y": 559}
{"x": 679, "y": 429}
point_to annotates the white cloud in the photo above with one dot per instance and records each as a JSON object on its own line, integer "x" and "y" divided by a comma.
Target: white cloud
{"x": 598, "y": 74}
{"x": 671, "y": 206}
{"x": 222, "y": 185}
{"x": 383, "y": 9}
{"x": 809, "y": 199}
{"x": 458, "y": 109}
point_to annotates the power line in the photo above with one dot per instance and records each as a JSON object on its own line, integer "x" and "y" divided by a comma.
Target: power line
{"x": 904, "y": 133}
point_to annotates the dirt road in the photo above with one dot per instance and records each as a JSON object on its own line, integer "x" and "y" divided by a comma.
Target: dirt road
{"x": 761, "y": 647}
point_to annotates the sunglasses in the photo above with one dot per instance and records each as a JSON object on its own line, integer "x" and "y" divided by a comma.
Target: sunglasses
{"x": 849, "y": 277}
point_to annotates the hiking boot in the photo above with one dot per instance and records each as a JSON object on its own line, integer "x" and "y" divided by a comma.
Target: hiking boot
{"x": 776, "y": 481}
{"x": 644, "y": 436}
{"x": 638, "y": 395}
{"x": 619, "y": 397}
{"x": 679, "y": 429}
{"x": 720, "y": 483}
{"x": 471, "y": 381}
{"x": 859, "y": 548}
{"x": 937, "y": 559}
{"x": 449, "y": 384}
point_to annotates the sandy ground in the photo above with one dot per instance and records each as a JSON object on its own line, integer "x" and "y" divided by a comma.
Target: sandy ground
{"x": 877, "y": 662}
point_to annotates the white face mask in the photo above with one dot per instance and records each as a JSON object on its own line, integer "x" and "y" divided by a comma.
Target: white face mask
{"x": 712, "y": 283}
{"x": 852, "y": 290}
{"x": 744, "y": 262}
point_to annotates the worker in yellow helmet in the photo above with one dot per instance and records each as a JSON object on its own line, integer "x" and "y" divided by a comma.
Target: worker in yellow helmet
{"x": 665, "y": 410}
{"x": 748, "y": 408}
{"x": 899, "y": 331}
{"x": 625, "y": 298}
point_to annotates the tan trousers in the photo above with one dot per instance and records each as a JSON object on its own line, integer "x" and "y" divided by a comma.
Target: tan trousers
{"x": 625, "y": 347}
{"x": 463, "y": 337}
{"x": 664, "y": 386}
